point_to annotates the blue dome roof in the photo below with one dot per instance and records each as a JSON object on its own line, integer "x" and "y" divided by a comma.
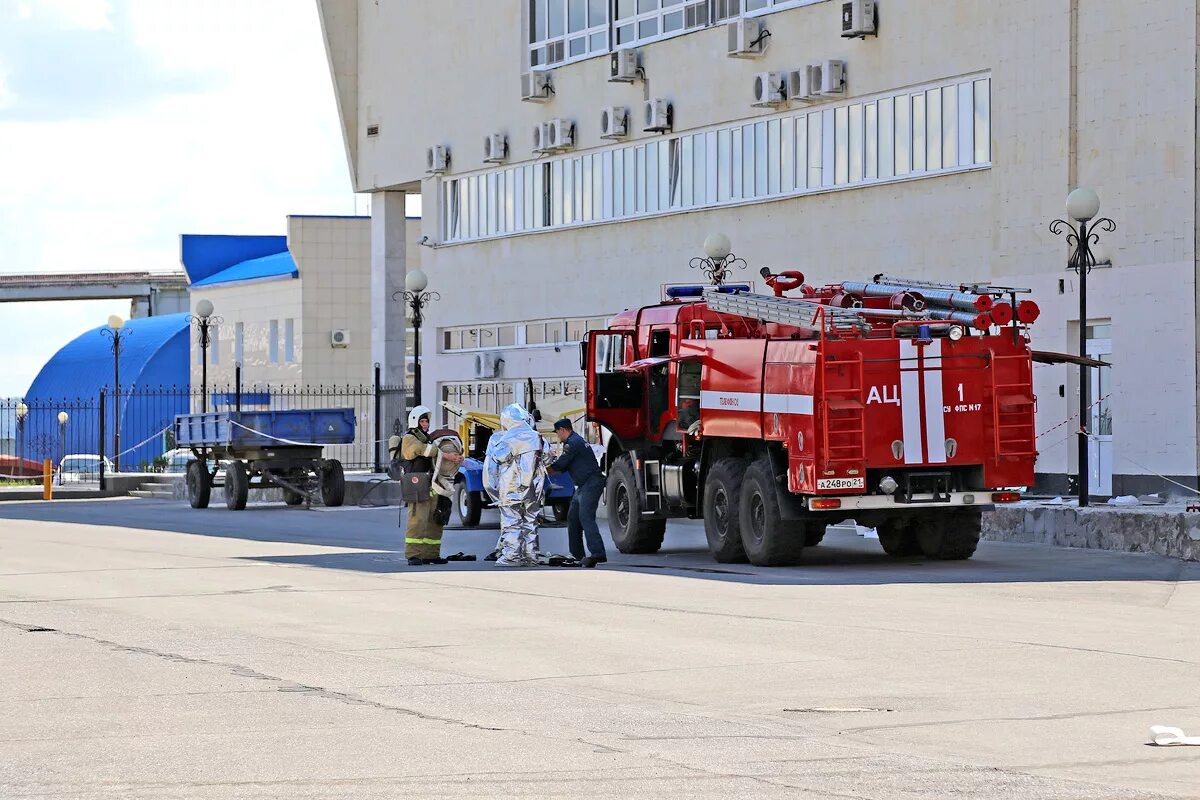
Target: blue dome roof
{"x": 154, "y": 352}
{"x": 155, "y": 381}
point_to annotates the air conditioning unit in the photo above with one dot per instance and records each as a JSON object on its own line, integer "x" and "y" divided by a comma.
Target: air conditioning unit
{"x": 339, "y": 338}
{"x": 437, "y": 159}
{"x": 746, "y": 39}
{"x": 536, "y": 86}
{"x": 833, "y": 78}
{"x": 562, "y": 134}
{"x": 623, "y": 66}
{"x": 804, "y": 84}
{"x": 488, "y": 365}
{"x": 541, "y": 139}
{"x": 614, "y": 122}
{"x": 659, "y": 116}
{"x": 858, "y": 19}
{"x": 770, "y": 89}
{"x": 495, "y": 148}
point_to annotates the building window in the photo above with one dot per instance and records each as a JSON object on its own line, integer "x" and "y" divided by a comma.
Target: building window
{"x": 914, "y": 133}
{"x": 544, "y": 332}
{"x": 273, "y": 341}
{"x": 289, "y": 341}
{"x": 239, "y": 342}
{"x": 640, "y": 21}
{"x": 566, "y": 30}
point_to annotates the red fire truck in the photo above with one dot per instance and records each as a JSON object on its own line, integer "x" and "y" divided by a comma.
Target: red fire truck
{"x": 907, "y": 406}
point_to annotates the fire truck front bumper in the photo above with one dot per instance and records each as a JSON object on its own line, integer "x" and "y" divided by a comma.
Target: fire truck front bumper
{"x": 982, "y": 500}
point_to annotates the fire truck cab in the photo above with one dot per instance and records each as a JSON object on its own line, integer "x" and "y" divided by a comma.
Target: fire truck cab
{"x": 772, "y": 417}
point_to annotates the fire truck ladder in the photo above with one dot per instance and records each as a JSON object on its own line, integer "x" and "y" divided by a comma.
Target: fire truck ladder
{"x": 1012, "y": 407}
{"x": 784, "y": 310}
{"x": 843, "y": 425}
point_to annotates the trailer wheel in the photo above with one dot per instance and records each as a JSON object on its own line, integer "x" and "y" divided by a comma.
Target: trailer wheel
{"x": 199, "y": 485}
{"x": 333, "y": 483}
{"x": 952, "y": 535}
{"x": 722, "y": 500}
{"x": 237, "y": 486}
{"x": 766, "y": 538}
{"x": 630, "y": 533}
{"x": 469, "y": 505}
{"x": 898, "y": 536}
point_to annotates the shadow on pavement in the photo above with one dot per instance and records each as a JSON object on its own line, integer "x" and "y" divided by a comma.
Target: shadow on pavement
{"x": 842, "y": 559}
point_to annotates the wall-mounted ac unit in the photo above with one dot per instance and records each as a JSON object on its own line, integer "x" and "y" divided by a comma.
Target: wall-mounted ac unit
{"x": 562, "y": 134}
{"x": 746, "y": 39}
{"x": 614, "y": 122}
{"x": 536, "y": 86}
{"x": 858, "y": 19}
{"x": 339, "y": 338}
{"x": 804, "y": 84}
{"x": 541, "y": 139}
{"x": 623, "y": 66}
{"x": 658, "y": 115}
{"x": 437, "y": 159}
{"x": 833, "y": 78}
{"x": 770, "y": 89}
{"x": 488, "y": 365}
{"x": 495, "y": 148}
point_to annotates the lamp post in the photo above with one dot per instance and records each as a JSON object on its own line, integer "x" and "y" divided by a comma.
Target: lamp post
{"x": 718, "y": 262}
{"x": 115, "y": 330}
{"x": 1082, "y": 206}
{"x": 22, "y": 412}
{"x": 416, "y": 297}
{"x": 203, "y": 319}
{"x": 62, "y": 435}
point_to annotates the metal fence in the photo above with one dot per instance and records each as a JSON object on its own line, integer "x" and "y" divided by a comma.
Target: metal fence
{"x": 134, "y": 431}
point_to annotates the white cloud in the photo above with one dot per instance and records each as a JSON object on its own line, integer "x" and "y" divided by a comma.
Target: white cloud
{"x": 261, "y": 142}
{"x": 7, "y": 97}
{"x": 85, "y": 14}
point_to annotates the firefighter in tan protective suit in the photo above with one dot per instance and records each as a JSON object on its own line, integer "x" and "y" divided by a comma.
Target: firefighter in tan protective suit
{"x": 423, "y": 536}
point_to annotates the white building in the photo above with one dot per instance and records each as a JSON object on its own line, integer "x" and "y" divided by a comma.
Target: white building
{"x": 293, "y": 310}
{"x": 957, "y": 134}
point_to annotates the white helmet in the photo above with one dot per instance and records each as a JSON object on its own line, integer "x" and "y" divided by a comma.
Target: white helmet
{"x": 414, "y": 416}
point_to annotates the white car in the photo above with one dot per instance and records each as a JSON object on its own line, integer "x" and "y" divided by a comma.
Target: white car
{"x": 79, "y": 468}
{"x": 177, "y": 460}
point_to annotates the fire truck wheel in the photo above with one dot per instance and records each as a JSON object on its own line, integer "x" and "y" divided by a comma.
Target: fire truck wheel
{"x": 952, "y": 536}
{"x": 722, "y": 501}
{"x": 766, "y": 538}
{"x": 898, "y": 535}
{"x": 630, "y": 533}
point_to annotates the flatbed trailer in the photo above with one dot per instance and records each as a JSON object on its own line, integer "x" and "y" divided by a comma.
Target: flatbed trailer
{"x": 261, "y": 449}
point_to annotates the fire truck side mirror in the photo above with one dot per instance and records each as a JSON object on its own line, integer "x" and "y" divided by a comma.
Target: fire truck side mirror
{"x": 583, "y": 347}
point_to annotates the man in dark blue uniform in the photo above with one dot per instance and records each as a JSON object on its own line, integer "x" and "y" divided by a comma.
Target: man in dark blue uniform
{"x": 579, "y": 462}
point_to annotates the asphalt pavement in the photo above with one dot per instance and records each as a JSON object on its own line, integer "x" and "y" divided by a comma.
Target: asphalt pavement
{"x": 151, "y": 651}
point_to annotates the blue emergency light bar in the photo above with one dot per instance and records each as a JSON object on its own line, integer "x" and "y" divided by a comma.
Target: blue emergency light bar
{"x": 679, "y": 292}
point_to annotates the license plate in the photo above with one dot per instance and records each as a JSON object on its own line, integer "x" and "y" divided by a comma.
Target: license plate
{"x": 828, "y": 484}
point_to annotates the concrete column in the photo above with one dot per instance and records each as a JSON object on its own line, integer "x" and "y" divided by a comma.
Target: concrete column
{"x": 389, "y": 237}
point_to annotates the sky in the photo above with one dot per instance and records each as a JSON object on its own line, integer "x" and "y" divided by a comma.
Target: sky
{"x": 125, "y": 123}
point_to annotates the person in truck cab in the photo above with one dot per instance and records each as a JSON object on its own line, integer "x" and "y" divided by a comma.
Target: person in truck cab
{"x": 579, "y": 461}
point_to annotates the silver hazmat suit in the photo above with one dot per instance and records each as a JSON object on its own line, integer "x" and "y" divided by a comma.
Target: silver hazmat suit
{"x": 514, "y": 475}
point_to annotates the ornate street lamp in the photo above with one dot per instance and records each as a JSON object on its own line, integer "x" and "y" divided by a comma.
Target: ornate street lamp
{"x": 717, "y": 262}
{"x": 1082, "y": 206}
{"x": 115, "y": 330}
{"x": 204, "y": 320}
{"x": 416, "y": 297}
{"x": 62, "y": 435}
{"x": 22, "y": 412}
